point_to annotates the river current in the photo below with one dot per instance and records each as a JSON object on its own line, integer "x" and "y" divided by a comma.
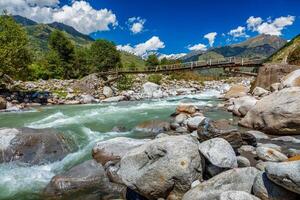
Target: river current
{"x": 87, "y": 124}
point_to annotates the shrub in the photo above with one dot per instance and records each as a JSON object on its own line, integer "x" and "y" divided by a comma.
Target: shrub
{"x": 125, "y": 82}
{"x": 155, "y": 78}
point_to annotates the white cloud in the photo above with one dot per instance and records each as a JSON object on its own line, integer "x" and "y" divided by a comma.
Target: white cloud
{"x": 172, "y": 56}
{"x": 143, "y": 49}
{"x": 238, "y": 32}
{"x": 136, "y": 24}
{"x": 270, "y": 27}
{"x": 211, "y": 38}
{"x": 79, "y": 14}
{"x": 197, "y": 47}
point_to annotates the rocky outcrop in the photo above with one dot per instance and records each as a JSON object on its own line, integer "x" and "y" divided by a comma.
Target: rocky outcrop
{"x": 277, "y": 113}
{"x": 236, "y": 91}
{"x": 34, "y": 147}
{"x": 273, "y": 73}
{"x": 114, "y": 149}
{"x": 162, "y": 167}
{"x": 240, "y": 179}
{"x": 286, "y": 174}
{"x": 85, "y": 181}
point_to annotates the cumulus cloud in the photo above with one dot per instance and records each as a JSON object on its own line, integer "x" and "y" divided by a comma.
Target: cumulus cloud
{"x": 270, "y": 27}
{"x": 211, "y": 38}
{"x": 172, "y": 56}
{"x": 238, "y": 32}
{"x": 80, "y": 14}
{"x": 197, "y": 47}
{"x": 143, "y": 49}
{"x": 136, "y": 24}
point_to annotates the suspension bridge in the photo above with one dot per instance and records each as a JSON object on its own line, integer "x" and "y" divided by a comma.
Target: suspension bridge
{"x": 230, "y": 65}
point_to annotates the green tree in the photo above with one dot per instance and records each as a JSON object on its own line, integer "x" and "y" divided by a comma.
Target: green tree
{"x": 294, "y": 57}
{"x": 61, "y": 48}
{"x": 152, "y": 60}
{"x": 14, "y": 53}
{"x": 81, "y": 63}
{"x": 104, "y": 56}
{"x": 164, "y": 61}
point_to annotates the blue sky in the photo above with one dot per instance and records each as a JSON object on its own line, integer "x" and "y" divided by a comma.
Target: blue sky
{"x": 172, "y": 26}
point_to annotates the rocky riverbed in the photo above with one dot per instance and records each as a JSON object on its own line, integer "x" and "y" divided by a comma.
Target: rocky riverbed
{"x": 173, "y": 148}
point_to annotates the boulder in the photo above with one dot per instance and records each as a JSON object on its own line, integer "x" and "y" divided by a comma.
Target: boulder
{"x": 240, "y": 179}
{"x": 32, "y": 146}
{"x": 108, "y": 92}
{"x": 269, "y": 154}
{"x": 114, "y": 99}
{"x": 270, "y": 145}
{"x": 258, "y": 134}
{"x": 243, "y": 161}
{"x": 153, "y": 126}
{"x": 86, "y": 99}
{"x": 237, "y": 195}
{"x": 114, "y": 149}
{"x": 236, "y": 91}
{"x": 291, "y": 80}
{"x": 179, "y": 119}
{"x": 267, "y": 190}
{"x": 277, "y": 113}
{"x": 287, "y": 139}
{"x": 151, "y": 89}
{"x": 219, "y": 153}
{"x": 259, "y": 92}
{"x": 275, "y": 87}
{"x": 163, "y": 166}
{"x": 188, "y": 109}
{"x": 194, "y": 122}
{"x": 81, "y": 181}
{"x": 243, "y": 104}
{"x": 286, "y": 174}
{"x": 2, "y": 103}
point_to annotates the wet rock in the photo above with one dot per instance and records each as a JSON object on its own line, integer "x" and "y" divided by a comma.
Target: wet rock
{"x": 259, "y": 92}
{"x": 265, "y": 189}
{"x": 86, "y": 99}
{"x": 108, "y": 92}
{"x": 32, "y": 146}
{"x": 2, "y": 103}
{"x": 162, "y": 166}
{"x": 86, "y": 178}
{"x": 188, "y": 109}
{"x": 114, "y": 99}
{"x": 258, "y": 135}
{"x": 243, "y": 161}
{"x": 194, "y": 122}
{"x": 270, "y": 145}
{"x": 291, "y": 80}
{"x": 153, "y": 126}
{"x": 287, "y": 139}
{"x": 219, "y": 152}
{"x": 286, "y": 174}
{"x": 179, "y": 119}
{"x": 236, "y": 91}
{"x": 151, "y": 90}
{"x": 269, "y": 154}
{"x": 237, "y": 195}
{"x": 118, "y": 129}
{"x": 240, "y": 179}
{"x": 277, "y": 113}
{"x": 293, "y": 152}
{"x": 114, "y": 149}
{"x": 243, "y": 104}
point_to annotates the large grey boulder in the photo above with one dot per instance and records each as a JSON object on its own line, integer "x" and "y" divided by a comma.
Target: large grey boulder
{"x": 194, "y": 122}
{"x": 286, "y": 174}
{"x": 243, "y": 104}
{"x": 162, "y": 166}
{"x": 219, "y": 153}
{"x": 84, "y": 181}
{"x": 258, "y": 135}
{"x": 86, "y": 99}
{"x": 291, "y": 80}
{"x": 237, "y": 195}
{"x": 114, "y": 149}
{"x": 151, "y": 90}
{"x": 259, "y": 92}
{"x": 267, "y": 190}
{"x": 240, "y": 179}
{"x": 2, "y": 103}
{"x": 108, "y": 92}
{"x": 32, "y": 146}
{"x": 269, "y": 154}
{"x": 277, "y": 113}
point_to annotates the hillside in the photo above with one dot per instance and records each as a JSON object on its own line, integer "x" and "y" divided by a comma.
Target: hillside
{"x": 258, "y": 47}
{"x": 39, "y": 35}
{"x": 289, "y": 53}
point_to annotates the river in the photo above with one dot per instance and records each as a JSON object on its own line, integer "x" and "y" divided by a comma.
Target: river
{"x": 87, "y": 124}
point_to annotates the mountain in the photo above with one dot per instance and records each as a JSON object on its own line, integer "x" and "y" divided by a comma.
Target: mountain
{"x": 39, "y": 35}
{"x": 289, "y": 53}
{"x": 259, "y": 47}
